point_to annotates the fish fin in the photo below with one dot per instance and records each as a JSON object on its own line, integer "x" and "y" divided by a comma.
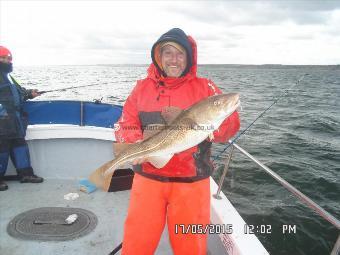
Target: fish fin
{"x": 159, "y": 161}
{"x": 152, "y": 129}
{"x": 99, "y": 178}
{"x": 170, "y": 113}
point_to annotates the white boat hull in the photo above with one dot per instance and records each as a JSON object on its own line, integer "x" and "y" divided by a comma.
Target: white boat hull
{"x": 72, "y": 152}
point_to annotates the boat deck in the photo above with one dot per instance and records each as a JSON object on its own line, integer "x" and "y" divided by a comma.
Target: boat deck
{"x": 110, "y": 209}
{"x": 57, "y": 154}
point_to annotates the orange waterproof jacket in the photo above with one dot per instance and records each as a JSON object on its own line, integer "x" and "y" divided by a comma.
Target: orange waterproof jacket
{"x": 144, "y": 107}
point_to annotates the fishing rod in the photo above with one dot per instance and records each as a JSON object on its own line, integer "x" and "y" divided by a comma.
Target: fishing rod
{"x": 302, "y": 197}
{"x": 260, "y": 115}
{"x": 63, "y": 89}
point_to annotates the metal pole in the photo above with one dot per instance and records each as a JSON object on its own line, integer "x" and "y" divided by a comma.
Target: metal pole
{"x": 336, "y": 248}
{"x": 226, "y": 167}
{"x": 302, "y": 197}
{"x": 117, "y": 249}
{"x": 81, "y": 113}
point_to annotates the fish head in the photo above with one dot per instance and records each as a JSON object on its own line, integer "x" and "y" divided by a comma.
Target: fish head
{"x": 224, "y": 104}
{"x": 215, "y": 109}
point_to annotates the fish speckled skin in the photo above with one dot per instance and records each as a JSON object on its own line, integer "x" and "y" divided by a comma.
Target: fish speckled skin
{"x": 191, "y": 127}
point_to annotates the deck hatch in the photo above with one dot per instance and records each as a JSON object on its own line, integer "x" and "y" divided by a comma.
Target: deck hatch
{"x": 48, "y": 224}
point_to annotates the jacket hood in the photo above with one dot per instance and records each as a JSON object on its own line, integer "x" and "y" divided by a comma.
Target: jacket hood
{"x": 187, "y": 42}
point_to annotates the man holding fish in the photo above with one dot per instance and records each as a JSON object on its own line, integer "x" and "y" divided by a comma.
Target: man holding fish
{"x": 173, "y": 117}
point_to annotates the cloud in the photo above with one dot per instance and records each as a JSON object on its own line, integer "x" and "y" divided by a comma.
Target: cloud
{"x": 254, "y": 13}
{"x": 309, "y": 6}
{"x": 75, "y": 32}
{"x": 301, "y": 37}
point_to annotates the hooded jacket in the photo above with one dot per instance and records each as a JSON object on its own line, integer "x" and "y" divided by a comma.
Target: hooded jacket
{"x": 13, "y": 121}
{"x": 152, "y": 95}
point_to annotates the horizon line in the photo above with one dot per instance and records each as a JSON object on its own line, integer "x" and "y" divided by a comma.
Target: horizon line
{"x": 125, "y": 64}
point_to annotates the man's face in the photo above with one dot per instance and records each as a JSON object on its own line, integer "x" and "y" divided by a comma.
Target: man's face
{"x": 173, "y": 61}
{"x": 6, "y": 59}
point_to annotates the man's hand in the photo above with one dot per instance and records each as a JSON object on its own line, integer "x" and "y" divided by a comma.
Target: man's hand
{"x": 35, "y": 93}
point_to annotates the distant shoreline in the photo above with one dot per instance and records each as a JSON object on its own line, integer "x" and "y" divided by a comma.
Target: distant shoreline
{"x": 228, "y": 65}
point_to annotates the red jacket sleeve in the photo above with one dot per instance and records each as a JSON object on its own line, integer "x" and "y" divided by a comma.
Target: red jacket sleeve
{"x": 128, "y": 128}
{"x": 229, "y": 126}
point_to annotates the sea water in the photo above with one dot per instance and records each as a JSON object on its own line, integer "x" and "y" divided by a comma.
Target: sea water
{"x": 298, "y": 138}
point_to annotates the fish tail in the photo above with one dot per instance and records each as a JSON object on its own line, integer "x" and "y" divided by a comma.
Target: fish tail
{"x": 114, "y": 164}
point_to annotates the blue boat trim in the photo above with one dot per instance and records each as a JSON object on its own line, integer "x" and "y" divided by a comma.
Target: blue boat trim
{"x": 72, "y": 112}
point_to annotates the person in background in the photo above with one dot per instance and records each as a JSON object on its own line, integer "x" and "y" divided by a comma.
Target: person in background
{"x": 178, "y": 193}
{"x": 13, "y": 124}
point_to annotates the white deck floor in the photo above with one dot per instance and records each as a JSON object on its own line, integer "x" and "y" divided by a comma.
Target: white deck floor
{"x": 110, "y": 209}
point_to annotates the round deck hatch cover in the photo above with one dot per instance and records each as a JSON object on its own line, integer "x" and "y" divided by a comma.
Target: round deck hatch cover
{"x": 49, "y": 224}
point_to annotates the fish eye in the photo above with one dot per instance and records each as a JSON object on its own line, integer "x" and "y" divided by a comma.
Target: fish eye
{"x": 217, "y": 102}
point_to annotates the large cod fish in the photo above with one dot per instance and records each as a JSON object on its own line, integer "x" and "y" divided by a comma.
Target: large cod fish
{"x": 189, "y": 128}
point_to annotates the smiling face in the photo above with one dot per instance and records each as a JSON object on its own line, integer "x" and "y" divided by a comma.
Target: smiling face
{"x": 173, "y": 61}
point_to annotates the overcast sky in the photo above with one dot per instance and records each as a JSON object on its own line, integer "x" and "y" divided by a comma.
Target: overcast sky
{"x": 122, "y": 32}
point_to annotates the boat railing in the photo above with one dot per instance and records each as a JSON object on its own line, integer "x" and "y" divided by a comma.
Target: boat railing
{"x": 70, "y": 112}
{"x": 298, "y": 194}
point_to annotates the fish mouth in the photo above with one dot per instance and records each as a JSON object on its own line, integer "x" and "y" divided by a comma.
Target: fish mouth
{"x": 236, "y": 106}
{"x": 239, "y": 106}
{"x": 237, "y": 102}
{"x": 235, "y": 98}
{"x": 232, "y": 103}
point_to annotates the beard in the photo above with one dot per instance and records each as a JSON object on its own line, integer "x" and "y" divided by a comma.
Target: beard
{"x": 6, "y": 67}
